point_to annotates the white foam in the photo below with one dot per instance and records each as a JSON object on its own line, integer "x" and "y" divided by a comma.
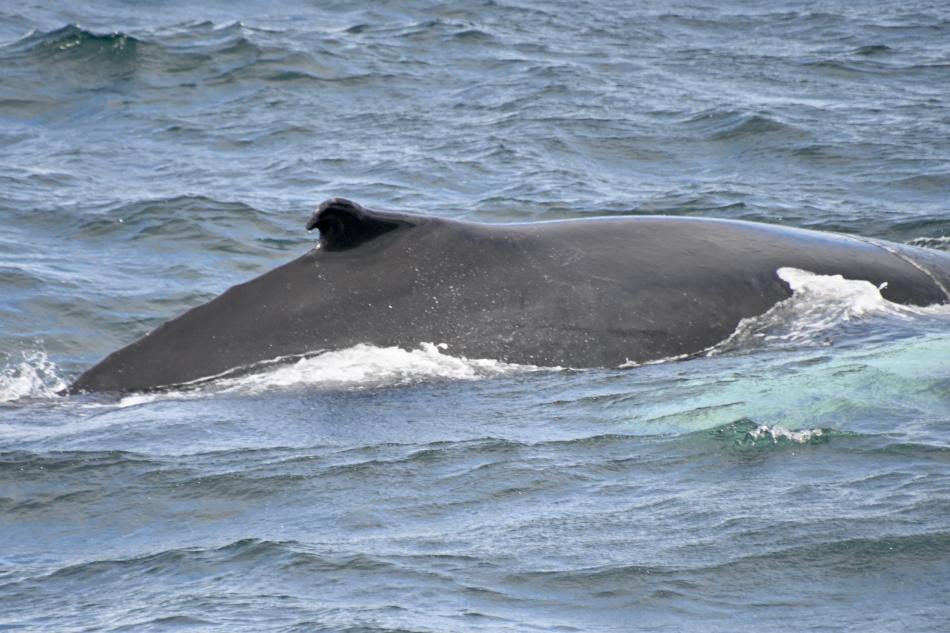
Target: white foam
{"x": 144, "y": 398}
{"x": 818, "y": 304}
{"x": 629, "y": 364}
{"x": 778, "y": 433}
{"x": 368, "y": 366}
{"x": 34, "y": 376}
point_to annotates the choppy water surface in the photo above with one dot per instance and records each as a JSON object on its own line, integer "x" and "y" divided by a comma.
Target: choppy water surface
{"x": 797, "y": 478}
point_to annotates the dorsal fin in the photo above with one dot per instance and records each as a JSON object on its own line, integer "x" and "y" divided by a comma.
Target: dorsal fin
{"x": 344, "y": 224}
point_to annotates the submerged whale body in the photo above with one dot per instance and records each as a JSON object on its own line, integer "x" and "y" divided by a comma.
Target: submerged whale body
{"x": 576, "y": 293}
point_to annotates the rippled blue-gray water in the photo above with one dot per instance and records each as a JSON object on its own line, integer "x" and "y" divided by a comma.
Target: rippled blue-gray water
{"x": 153, "y": 154}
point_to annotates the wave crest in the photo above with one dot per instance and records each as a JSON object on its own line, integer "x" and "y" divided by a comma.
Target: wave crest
{"x": 75, "y": 42}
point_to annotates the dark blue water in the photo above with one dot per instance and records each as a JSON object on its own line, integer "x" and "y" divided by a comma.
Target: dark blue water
{"x": 151, "y": 155}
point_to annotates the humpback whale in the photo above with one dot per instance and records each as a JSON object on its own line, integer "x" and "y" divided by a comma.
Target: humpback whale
{"x": 574, "y": 293}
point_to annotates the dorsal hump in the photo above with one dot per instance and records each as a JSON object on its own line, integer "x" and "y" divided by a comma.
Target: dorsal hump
{"x": 344, "y": 224}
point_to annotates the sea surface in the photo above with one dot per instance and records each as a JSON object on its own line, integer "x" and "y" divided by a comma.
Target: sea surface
{"x": 152, "y": 154}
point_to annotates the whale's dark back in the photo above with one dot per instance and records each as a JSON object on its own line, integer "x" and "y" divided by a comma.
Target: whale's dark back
{"x": 585, "y": 293}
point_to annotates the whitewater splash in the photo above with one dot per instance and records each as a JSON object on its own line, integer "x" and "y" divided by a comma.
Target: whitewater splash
{"x": 32, "y": 376}
{"x": 778, "y": 435}
{"x": 818, "y": 305}
{"x": 358, "y": 367}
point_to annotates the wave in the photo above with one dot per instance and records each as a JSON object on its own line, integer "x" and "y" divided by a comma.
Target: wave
{"x": 729, "y": 125}
{"x": 92, "y": 483}
{"x": 172, "y": 562}
{"x": 186, "y": 56}
{"x": 186, "y": 237}
{"x": 207, "y": 223}
{"x": 873, "y": 50}
{"x": 232, "y": 560}
{"x": 940, "y": 242}
{"x": 29, "y": 464}
{"x": 924, "y": 183}
{"x": 189, "y": 56}
{"x": 56, "y": 62}
{"x": 76, "y": 43}
{"x": 850, "y": 69}
{"x": 746, "y": 433}
{"x": 824, "y": 555}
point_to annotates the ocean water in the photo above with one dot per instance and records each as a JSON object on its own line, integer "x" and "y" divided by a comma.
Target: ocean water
{"x": 796, "y": 478}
